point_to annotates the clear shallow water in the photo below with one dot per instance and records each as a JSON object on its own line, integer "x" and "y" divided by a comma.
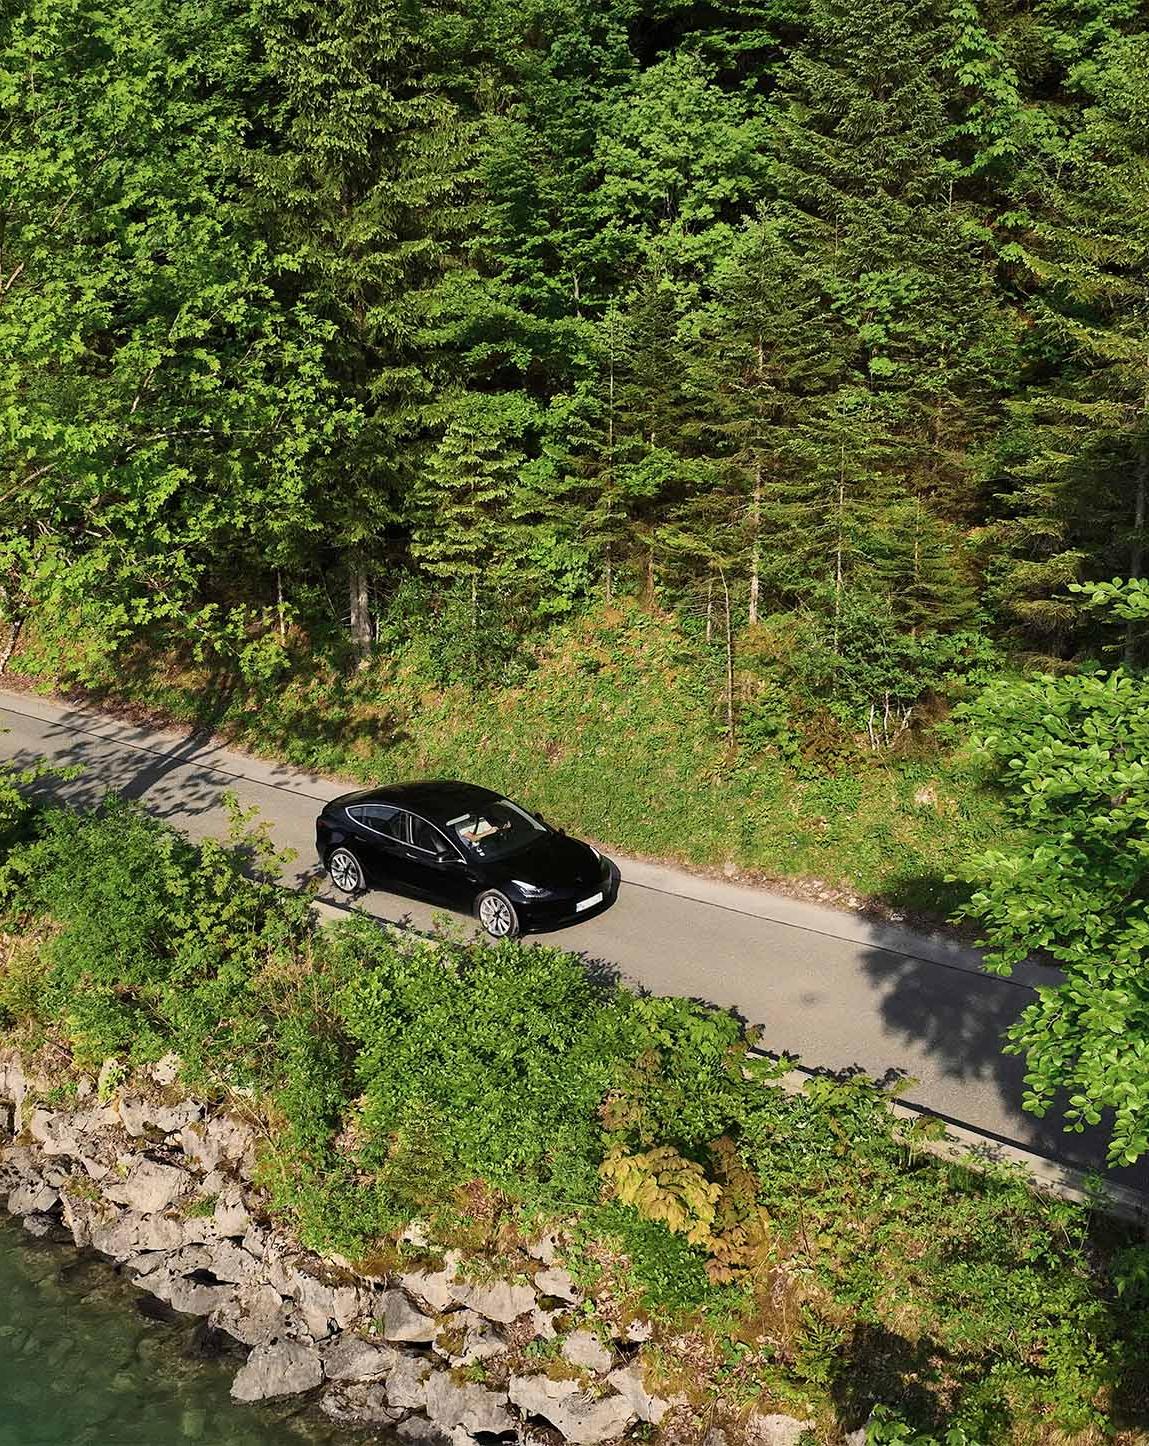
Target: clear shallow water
{"x": 80, "y": 1365}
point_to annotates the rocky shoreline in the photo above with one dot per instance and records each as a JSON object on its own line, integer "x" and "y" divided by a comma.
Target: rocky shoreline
{"x": 162, "y": 1186}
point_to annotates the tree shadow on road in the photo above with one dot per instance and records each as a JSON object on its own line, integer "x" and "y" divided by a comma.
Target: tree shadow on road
{"x": 967, "y": 1041}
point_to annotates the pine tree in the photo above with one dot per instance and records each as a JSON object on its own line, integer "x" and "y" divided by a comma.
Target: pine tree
{"x": 1080, "y": 445}
{"x": 361, "y": 182}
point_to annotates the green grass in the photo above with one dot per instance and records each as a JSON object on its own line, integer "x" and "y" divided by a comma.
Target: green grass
{"x": 614, "y": 732}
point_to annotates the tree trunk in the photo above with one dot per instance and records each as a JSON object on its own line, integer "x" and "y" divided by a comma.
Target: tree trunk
{"x": 608, "y": 577}
{"x": 279, "y": 606}
{"x": 360, "y": 613}
{"x": 709, "y": 608}
{"x": 729, "y": 663}
{"x": 1137, "y": 549}
{"x": 16, "y": 625}
{"x": 838, "y": 552}
{"x": 755, "y": 542}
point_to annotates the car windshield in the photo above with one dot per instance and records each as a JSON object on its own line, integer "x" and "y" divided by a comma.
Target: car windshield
{"x": 496, "y": 830}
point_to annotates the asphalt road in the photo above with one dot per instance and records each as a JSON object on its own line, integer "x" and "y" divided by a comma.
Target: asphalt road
{"x": 828, "y": 987}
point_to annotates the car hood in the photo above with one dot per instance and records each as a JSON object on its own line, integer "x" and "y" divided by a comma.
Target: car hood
{"x": 554, "y": 862}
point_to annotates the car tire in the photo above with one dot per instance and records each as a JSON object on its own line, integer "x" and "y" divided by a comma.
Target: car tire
{"x": 497, "y": 915}
{"x": 346, "y": 872}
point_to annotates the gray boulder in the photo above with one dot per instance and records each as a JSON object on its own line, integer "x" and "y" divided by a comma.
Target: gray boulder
{"x": 628, "y": 1382}
{"x": 150, "y": 1187}
{"x": 286, "y": 1368}
{"x": 117, "y": 1235}
{"x": 324, "y": 1307}
{"x": 407, "y": 1383}
{"x": 33, "y": 1197}
{"x": 140, "y": 1116}
{"x": 449, "y": 1404}
{"x": 498, "y": 1301}
{"x": 232, "y": 1217}
{"x": 436, "y": 1288}
{"x": 254, "y": 1314}
{"x": 160, "y": 1232}
{"x": 557, "y": 1282}
{"x": 217, "y": 1142}
{"x": 402, "y": 1322}
{"x": 776, "y": 1430}
{"x": 584, "y": 1349}
{"x": 358, "y": 1403}
{"x": 581, "y": 1417}
{"x": 350, "y": 1358}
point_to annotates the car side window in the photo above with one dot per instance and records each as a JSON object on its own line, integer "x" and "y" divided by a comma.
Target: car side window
{"x": 425, "y": 836}
{"x": 382, "y": 819}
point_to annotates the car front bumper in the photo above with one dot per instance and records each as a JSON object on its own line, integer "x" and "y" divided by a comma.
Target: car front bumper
{"x": 539, "y": 915}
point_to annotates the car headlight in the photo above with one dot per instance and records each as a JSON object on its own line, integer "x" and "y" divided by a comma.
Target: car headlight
{"x": 530, "y": 891}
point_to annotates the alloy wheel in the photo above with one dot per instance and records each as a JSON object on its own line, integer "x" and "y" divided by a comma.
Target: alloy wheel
{"x": 495, "y": 916}
{"x": 345, "y": 872}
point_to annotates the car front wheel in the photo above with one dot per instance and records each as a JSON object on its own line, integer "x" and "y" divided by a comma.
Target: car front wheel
{"x": 345, "y": 872}
{"x": 497, "y": 915}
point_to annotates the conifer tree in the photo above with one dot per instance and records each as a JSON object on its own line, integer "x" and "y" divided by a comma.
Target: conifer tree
{"x": 360, "y": 180}
{"x": 1079, "y": 453}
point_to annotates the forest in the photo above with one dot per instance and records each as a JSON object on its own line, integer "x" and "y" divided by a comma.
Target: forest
{"x": 821, "y": 324}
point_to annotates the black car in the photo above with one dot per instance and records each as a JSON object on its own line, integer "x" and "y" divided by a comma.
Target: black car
{"x": 465, "y": 847}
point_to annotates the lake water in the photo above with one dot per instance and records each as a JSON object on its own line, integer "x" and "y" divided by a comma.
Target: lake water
{"x": 81, "y": 1365}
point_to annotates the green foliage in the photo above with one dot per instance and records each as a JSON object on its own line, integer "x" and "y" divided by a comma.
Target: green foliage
{"x": 502, "y": 1054}
{"x": 1070, "y": 756}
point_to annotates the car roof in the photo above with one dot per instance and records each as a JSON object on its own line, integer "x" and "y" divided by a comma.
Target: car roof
{"x": 437, "y": 799}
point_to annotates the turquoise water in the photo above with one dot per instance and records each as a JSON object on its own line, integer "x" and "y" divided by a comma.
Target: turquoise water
{"x": 81, "y": 1366}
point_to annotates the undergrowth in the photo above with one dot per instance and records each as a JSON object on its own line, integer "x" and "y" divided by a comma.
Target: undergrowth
{"x": 612, "y": 727}
{"x": 800, "y": 1252}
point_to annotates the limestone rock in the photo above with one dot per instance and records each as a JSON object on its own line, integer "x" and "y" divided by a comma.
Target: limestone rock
{"x": 33, "y": 1197}
{"x": 543, "y": 1249}
{"x": 321, "y": 1305}
{"x": 583, "y": 1348}
{"x": 165, "y": 1070}
{"x": 628, "y": 1382}
{"x": 402, "y": 1322}
{"x": 407, "y": 1383}
{"x": 159, "y": 1232}
{"x": 449, "y": 1404}
{"x": 420, "y": 1432}
{"x": 438, "y": 1288}
{"x": 117, "y": 1235}
{"x": 186, "y": 1295}
{"x": 254, "y": 1314}
{"x": 498, "y": 1301}
{"x": 350, "y": 1358}
{"x": 283, "y": 1369}
{"x": 582, "y": 1418}
{"x": 140, "y": 1116}
{"x": 227, "y": 1262}
{"x": 218, "y": 1141}
{"x": 150, "y": 1187}
{"x": 38, "y": 1225}
{"x": 358, "y": 1403}
{"x": 776, "y": 1430}
{"x": 557, "y": 1282}
{"x": 232, "y": 1216}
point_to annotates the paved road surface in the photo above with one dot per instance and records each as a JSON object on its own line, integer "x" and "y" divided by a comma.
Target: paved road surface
{"x": 827, "y": 986}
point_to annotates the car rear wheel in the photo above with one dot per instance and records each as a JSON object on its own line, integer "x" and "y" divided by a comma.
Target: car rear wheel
{"x": 346, "y": 872}
{"x": 497, "y": 915}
